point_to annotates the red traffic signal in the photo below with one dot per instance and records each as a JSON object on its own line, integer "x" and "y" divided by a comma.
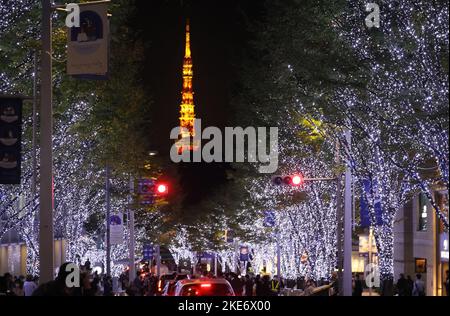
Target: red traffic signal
{"x": 294, "y": 180}
{"x": 161, "y": 188}
{"x": 297, "y": 179}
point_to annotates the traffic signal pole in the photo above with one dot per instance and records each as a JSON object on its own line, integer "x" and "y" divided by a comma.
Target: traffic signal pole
{"x": 46, "y": 158}
{"x": 108, "y": 223}
{"x": 348, "y": 229}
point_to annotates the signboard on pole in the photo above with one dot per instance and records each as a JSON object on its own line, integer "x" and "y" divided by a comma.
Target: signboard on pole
{"x": 146, "y": 191}
{"x": 88, "y": 44}
{"x": 116, "y": 229}
{"x": 10, "y": 139}
{"x": 269, "y": 219}
{"x": 364, "y": 205}
{"x": 147, "y": 252}
{"x": 244, "y": 254}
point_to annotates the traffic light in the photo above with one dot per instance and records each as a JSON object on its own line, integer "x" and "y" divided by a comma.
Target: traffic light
{"x": 161, "y": 189}
{"x": 10, "y": 139}
{"x": 293, "y": 180}
{"x": 149, "y": 190}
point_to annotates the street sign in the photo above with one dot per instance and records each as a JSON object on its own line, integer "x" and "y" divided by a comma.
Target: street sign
{"x": 10, "y": 140}
{"x": 244, "y": 254}
{"x": 269, "y": 219}
{"x": 146, "y": 191}
{"x": 88, "y": 44}
{"x": 116, "y": 229}
{"x": 147, "y": 252}
{"x": 364, "y": 205}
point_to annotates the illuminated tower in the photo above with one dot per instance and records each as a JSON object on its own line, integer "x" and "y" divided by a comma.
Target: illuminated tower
{"x": 187, "y": 114}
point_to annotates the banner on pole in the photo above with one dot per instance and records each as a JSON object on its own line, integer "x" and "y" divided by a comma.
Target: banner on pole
{"x": 244, "y": 254}
{"x": 116, "y": 229}
{"x": 148, "y": 252}
{"x": 269, "y": 219}
{"x": 10, "y": 139}
{"x": 88, "y": 44}
{"x": 364, "y": 206}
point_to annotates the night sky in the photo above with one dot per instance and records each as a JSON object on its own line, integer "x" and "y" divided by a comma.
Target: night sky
{"x": 218, "y": 37}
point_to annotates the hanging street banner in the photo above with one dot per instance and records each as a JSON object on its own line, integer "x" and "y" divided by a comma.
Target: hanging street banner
{"x": 88, "y": 44}
{"x": 269, "y": 219}
{"x": 364, "y": 206}
{"x": 244, "y": 254}
{"x": 10, "y": 139}
{"x": 147, "y": 252}
{"x": 116, "y": 229}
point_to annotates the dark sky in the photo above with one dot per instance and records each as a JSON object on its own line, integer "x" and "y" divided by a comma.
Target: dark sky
{"x": 218, "y": 36}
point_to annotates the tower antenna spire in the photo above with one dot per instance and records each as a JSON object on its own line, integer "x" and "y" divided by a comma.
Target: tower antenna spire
{"x": 187, "y": 113}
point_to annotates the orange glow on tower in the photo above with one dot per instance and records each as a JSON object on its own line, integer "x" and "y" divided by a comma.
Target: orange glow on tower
{"x": 187, "y": 113}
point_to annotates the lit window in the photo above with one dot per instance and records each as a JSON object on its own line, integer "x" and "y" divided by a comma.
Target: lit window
{"x": 423, "y": 212}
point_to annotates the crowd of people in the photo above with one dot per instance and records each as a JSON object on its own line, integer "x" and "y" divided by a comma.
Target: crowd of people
{"x": 18, "y": 285}
{"x": 405, "y": 286}
{"x": 147, "y": 283}
{"x": 90, "y": 284}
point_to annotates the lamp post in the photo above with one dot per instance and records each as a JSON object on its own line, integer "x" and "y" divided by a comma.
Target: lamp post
{"x": 348, "y": 204}
{"x": 46, "y": 163}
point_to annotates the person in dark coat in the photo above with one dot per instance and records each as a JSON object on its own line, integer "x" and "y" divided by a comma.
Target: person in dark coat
{"x": 402, "y": 285}
{"x": 265, "y": 286}
{"x": 358, "y": 290}
{"x": 7, "y": 285}
{"x": 409, "y": 286}
{"x": 58, "y": 287}
{"x": 237, "y": 285}
{"x": 248, "y": 286}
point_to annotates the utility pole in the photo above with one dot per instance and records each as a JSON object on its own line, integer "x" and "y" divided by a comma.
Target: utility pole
{"x": 108, "y": 223}
{"x": 46, "y": 185}
{"x": 158, "y": 261}
{"x": 33, "y": 145}
{"x": 348, "y": 205}
{"x": 132, "y": 271}
{"x": 339, "y": 218}
{"x": 236, "y": 256}
{"x": 370, "y": 254}
{"x": 215, "y": 264}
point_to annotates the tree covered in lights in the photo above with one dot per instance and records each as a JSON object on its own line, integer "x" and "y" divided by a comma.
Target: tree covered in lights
{"x": 389, "y": 87}
{"x": 92, "y": 125}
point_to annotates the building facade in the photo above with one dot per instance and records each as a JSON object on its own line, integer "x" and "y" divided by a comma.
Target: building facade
{"x": 421, "y": 242}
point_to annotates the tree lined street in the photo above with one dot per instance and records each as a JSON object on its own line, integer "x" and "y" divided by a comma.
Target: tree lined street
{"x": 348, "y": 100}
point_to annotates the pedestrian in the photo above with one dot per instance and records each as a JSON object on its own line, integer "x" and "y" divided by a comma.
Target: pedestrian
{"x": 58, "y": 287}
{"x": 419, "y": 286}
{"x": 248, "y": 286}
{"x": 402, "y": 285}
{"x": 358, "y": 287}
{"x": 310, "y": 287}
{"x": 258, "y": 285}
{"x": 265, "y": 286}
{"x": 334, "y": 284}
{"x": 87, "y": 265}
{"x": 237, "y": 285}
{"x": 7, "y": 285}
{"x": 301, "y": 284}
{"x": 275, "y": 285}
{"x": 29, "y": 285}
{"x": 107, "y": 286}
{"x": 18, "y": 288}
{"x": 409, "y": 286}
